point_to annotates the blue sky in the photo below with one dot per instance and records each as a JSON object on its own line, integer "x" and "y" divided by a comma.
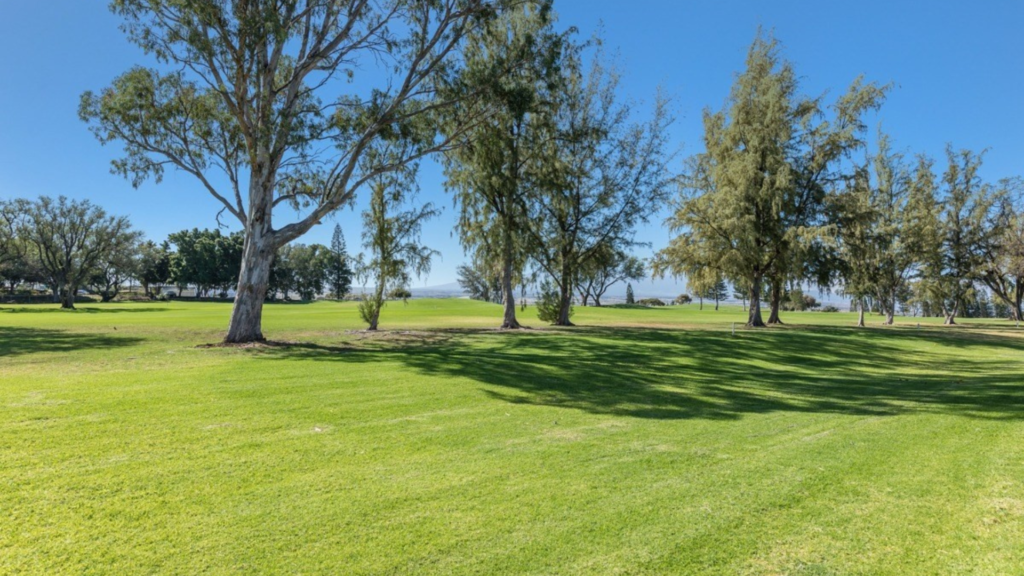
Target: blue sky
{"x": 957, "y": 68}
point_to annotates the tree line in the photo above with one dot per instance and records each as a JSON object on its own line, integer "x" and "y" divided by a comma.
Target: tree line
{"x": 781, "y": 198}
{"x": 550, "y": 169}
{"x": 70, "y": 246}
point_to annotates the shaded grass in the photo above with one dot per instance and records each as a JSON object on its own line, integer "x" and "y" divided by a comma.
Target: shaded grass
{"x": 449, "y": 447}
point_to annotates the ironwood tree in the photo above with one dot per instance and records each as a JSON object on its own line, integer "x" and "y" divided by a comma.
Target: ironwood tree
{"x": 513, "y": 61}
{"x": 755, "y": 198}
{"x": 603, "y": 172}
{"x": 392, "y": 239}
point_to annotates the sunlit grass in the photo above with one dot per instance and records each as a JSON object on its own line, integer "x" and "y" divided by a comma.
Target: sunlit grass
{"x": 643, "y": 441}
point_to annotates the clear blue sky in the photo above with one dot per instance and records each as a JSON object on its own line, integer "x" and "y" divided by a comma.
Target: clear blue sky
{"x": 958, "y": 70}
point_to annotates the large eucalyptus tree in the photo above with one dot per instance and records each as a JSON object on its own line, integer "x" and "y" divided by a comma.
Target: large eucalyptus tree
{"x": 247, "y": 103}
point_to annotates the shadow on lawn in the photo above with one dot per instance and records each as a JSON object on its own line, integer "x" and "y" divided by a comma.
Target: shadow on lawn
{"x": 667, "y": 374}
{"x": 18, "y": 341}
{"x": 98, "y": 309}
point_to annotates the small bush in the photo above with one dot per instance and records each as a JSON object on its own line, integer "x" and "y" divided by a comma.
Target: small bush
{"x": 829, "y": 308}
{"x": 682, "y": 299}
{"x": 400, "y": 294}
{"x": 548, "y": 303}
{"x": 650, "y": 302}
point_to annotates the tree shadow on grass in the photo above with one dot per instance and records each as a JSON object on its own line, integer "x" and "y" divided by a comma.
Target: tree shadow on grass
{"x": 21, "y": 341}
{"x": 99, "y": 309}
{"x": 676, "y": 374}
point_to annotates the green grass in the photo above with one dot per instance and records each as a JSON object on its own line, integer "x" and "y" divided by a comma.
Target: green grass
{"x": 645, "y": 441}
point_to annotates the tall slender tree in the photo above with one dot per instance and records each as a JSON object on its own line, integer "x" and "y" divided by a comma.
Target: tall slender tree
{"x": 603, "y": 172}
{"x": 882, "y": 220}
{"x": 339, "y": 268}
{"x": 392, "y": 239}
{"x": 513, "y": 61}
{"x": 968, "y": 206}
{"x": 1003, "y": 250}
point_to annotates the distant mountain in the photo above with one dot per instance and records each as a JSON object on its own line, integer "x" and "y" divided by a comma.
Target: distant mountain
{"x": 449, "y": 290}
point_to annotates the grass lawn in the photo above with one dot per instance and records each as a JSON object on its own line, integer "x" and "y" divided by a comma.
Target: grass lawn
{"x": 644, "y": 441}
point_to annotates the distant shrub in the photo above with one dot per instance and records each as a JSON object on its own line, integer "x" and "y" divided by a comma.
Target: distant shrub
{"x": 650, "y": 302}
{"x": 400, "y": 294}
{"x": 682, "y": 299}
{"x": 829, "y": 308}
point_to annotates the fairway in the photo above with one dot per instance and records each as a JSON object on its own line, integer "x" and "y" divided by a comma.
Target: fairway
{"x": 642, "y": 441}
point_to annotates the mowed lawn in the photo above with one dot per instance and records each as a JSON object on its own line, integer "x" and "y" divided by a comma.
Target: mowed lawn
{"x": 644, "y": 441}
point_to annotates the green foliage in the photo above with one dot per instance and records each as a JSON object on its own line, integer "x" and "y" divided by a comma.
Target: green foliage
{"x": 512, "y": 62}
{"x": 244, "y": 102}
{"x": 602, "y": 173}
{"x": 753, "y": 207}
{"x": 795, "y": 300}
{"x": 480, "y": 282}
{"x": 549, "y": 303}
{"x": 604, "y": 268}
{"x": 392, "y": 239}
{"x": 339, "y": 268}
{"x": 682, "y": 299}
{"x": 400, "y": 294}
{"x": 651, "y": 302}
{"x": 71, "y": 241}
{"x": 629, "y": 294}
{"x": 300, "y": 268}
{"x": 154, "y": 264}
{"x": 969, "y": 221}
{"x": 883, "y": 220}
{"x": 206, "y": 259}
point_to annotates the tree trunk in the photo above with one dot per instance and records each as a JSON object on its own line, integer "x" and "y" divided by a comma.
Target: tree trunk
{"x": 1018, "y": 295}
{"x": 716, "y": 303}
{"x": 890, "y": 308}
{"x": 951, "y": 314}
{"x": 776, "y": 302}
{"x": 378, "y": 303}
{"x": 67, "y": 300}
{"x": 860, "y": 313}
{"x": 754, "y": 315}
{"x": 565, "y": 298}
{"x": 253, "y": 280}
{"x": 701, "y": 298}
{"x": 508, "y": 297}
